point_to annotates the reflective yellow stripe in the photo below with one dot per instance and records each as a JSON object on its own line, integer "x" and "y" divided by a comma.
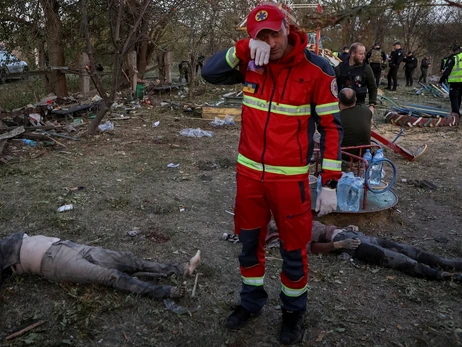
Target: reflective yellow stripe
{"x": 333, "y": 165}
{"x": 456, "y": 72}
{"x": 293, "y": 292}
{"x": 231, "y": 58}
{"x": 281, "y": 170}
{"x": 253, "y": 281}
{"x": 324, "y": 109}
{"x": 287, "y": 110}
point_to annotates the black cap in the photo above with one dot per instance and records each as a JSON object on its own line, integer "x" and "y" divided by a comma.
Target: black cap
{"x": 410, "y": 52}
{"x": 397, "y": 43}
{"x": 456, "y": 47}
{"x": 376, "y": 44}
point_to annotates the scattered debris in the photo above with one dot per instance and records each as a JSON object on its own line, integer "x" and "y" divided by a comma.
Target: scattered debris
{"x": 133, "y": 232}
{"x": 172, "y": 306}
{"x": 413, "y": 115}
{"x": 193, "y": 294}
{"x": 422, "y": 184}
{"x": 108, "y": 125}
{"x": 190, "y": 132}
{"x": 28, "y": 142}
{"x": 155, "y": 124}
{"x": 25, "y": 330}
{"x": 13, "y": 133}
{"x": 172, "y": 165}
{"x": 65, "y": 208}
{"x": 228, "y": 120}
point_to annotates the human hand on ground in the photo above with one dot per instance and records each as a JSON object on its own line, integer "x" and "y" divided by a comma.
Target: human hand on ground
{"x": 259, "y": 51}
{"x": 326, "y": 201}
{"x": 349, "y": 243}
{"x": 372, "y": 108}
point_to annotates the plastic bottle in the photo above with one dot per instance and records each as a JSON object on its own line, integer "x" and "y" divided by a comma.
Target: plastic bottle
{"x": 376, "y": 171}
{"x": 368, "y": 157}
{"x": 353, "y": 201}
{"x": 343, "y": 189}
{"x": 28, "y": 142}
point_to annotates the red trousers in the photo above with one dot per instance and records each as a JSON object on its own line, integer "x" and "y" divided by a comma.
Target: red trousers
{"x": 290, "y": 204}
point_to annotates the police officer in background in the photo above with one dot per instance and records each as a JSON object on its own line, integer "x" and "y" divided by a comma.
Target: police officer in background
{"x": 424, "y": 65}
{"x": 396, "y": 57}
{"x": 345, "y": 54}
{"x": 453, "y": 74}
{"x": 376, "y": 58}
{"x": 357, "y": 75}
{"x": 410, "y": 64}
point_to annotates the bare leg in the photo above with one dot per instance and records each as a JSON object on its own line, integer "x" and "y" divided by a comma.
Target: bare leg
{"x": 192, "y": 264}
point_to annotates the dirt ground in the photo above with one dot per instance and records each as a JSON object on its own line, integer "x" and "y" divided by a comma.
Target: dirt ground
{"x": 127, "y": 184}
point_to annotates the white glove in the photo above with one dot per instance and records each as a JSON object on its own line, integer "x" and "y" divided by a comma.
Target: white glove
{"x": 326, "y": 201}
{"x": 259, "y": 51}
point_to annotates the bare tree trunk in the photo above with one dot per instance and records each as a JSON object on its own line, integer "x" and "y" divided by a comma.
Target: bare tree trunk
{"x": 192, "y": 77}
{"x": 54, "y": 29}
{"x": 142, "y": 61}
{"x": 42, "y": 64}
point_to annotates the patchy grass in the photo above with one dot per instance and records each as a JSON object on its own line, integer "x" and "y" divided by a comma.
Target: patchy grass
{"x": 128, "y": 184}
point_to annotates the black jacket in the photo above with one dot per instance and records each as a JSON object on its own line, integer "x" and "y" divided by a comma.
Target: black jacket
{"x": 344, "y": 56}
{"x": 359, "y": 78}
{"x": 425, "y": 63}
{"x": 410, "y": 62}
{"x": 10, "y": 248}
{"x": 396, "y": 58}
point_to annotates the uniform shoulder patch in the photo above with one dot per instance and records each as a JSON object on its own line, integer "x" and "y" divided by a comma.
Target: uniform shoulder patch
{"x": 334, "y": 88}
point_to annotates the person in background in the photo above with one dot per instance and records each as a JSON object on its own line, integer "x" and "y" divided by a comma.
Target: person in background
{"x": 395, "y": 59}
{"x": 424, "y": 65}
{"x": 357, "y": 75}
{"x": 376, "y": 58}
{"x": 410, "y": 64}
{"x": 356, "y": 121}
{"x": 345, "y": 54}
{"x": 453, "y": 74}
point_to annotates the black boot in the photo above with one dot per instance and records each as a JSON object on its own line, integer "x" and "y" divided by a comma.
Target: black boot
{"x": 239, "y": 318}
{"x": 291, "y": 330}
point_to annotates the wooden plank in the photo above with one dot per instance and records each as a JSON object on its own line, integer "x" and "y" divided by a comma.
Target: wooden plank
{"x": 12, "y": 133}
{"x": 210, "y": 112}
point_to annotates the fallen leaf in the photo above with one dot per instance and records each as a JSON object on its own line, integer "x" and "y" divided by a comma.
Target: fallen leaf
{"x": 340, "y": 330}
{"x": 391, "y": 278}
{"x": 322, "y": 335}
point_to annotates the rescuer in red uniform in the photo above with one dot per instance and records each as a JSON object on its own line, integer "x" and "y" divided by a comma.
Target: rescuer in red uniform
{"x": 288, "y": 93}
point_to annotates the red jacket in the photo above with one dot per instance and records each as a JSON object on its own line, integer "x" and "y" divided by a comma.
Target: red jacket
{"x": 283, "y": 103}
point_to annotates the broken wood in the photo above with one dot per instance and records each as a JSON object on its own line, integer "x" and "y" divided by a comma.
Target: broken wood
{"x": 195, "y": 286}
{"x": 210, "y": 112}
{"x": 45, "y": 127}
{"x": 13, "y": 133}
{"x": 25, "y": 330}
